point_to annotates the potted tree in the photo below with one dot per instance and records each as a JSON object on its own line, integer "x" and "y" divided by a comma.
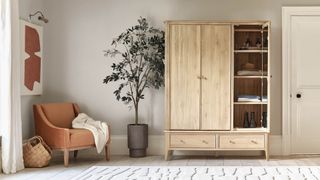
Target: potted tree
{"x": 139, "y": 55}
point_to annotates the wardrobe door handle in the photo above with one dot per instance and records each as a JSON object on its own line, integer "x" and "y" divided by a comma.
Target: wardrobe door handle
{"x": 205, "y": 78}
{"x": 254, "y": 142}
{"x": 182, "y": 141}
{"x": 199, "y": 77}
{"x": 232, "y": 142}
{"x": 205, "y": 142}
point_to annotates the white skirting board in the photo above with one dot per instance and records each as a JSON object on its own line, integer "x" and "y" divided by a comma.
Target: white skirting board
{"x": 156, "y": 147}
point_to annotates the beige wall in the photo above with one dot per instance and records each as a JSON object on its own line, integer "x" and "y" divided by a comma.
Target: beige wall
{"x": 25, "y": 8}
{"x": 79, "y": 31}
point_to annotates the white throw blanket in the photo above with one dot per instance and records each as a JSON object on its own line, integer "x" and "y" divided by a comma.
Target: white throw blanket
{"x": 99, "y": 129}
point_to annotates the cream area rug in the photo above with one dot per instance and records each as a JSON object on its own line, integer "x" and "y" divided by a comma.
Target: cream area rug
{"x": 200, "y": 173}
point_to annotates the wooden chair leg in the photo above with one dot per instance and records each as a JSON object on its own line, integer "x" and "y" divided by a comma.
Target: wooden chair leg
{"x": 75, "y": 154}
{"x": 66, "y": 157}
{"x": 107, "y": 151}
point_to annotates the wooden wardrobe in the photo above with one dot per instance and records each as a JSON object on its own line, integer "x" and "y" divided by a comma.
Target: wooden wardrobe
{"x": 211, "y": 68}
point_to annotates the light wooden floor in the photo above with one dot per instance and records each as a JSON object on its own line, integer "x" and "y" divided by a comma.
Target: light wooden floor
{"x": 56, "y": 170}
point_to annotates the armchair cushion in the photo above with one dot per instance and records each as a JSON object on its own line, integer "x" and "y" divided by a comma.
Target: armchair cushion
{"x": 81, "y": 137}
{"x": 59, "y": 114}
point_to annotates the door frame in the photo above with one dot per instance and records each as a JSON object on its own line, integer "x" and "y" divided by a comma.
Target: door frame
{"x": 287, "y": 13}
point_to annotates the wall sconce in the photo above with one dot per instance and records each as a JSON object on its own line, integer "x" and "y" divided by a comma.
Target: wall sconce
{"x": 40, "y": 17}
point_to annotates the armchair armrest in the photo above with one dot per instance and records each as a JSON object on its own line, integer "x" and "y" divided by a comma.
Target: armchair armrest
{"x": 55, "y": 137}
{"x": 76, "y": 109}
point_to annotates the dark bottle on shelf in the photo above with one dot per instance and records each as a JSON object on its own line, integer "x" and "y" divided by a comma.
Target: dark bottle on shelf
{"x": 246, "y": 123}
{"x": 264, "y": 120}
{"x": 252, "y": 120}
{"x": 258, "y": 43}
{"x": 247, "y": 44}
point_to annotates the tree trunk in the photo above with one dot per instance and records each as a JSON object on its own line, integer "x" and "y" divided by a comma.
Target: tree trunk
{"x": 136, "y": 108}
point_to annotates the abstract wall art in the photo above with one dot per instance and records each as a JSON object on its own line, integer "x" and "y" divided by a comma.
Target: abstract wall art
{"x": 31, "y": 49}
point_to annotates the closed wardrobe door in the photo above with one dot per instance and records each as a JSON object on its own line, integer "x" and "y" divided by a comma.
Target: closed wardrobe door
{"x": 184, "y": 56}
{"x": 216, "y": 77}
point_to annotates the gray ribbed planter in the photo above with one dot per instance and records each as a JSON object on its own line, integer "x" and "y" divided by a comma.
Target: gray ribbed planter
{"x": 137, "y": 140}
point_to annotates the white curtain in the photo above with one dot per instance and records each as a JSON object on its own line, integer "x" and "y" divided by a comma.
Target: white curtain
{"x": 10, "y": 110}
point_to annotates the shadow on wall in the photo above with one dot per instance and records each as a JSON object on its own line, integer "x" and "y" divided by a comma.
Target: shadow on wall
{"x": 27, "y": 115}
{"x": 154, "y": 110}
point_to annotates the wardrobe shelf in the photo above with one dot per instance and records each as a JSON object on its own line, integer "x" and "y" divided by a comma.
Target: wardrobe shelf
{"x": 261, "y": 129}
{"x": 245, "y": 103}
{"x": 245, "y": 77}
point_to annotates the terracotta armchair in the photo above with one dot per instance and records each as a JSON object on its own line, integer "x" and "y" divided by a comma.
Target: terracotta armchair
{"x": 53, "y": 122}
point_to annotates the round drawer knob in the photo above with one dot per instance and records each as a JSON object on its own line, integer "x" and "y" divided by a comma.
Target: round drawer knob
{"x": 182, "y": 141}
{"x": 232, "y": 142}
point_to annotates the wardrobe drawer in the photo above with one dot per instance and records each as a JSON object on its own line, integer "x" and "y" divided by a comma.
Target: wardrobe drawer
{"x": 241, "y": 141}
{"x": 192, "y": 140}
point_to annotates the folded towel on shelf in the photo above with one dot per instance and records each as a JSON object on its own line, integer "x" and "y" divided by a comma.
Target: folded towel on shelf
{"x": 264, "y": 98}
{"x": 249, "y": 66}
{"x": 251, "y": 98}
{"x": 248, "y": 98}
{"x": 251, "y": 73}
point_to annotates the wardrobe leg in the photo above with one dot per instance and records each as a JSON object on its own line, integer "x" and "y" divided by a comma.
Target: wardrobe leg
{"x": 168, "y": 154}
{"x": 266, "y": 150}
{"x": 267, "y": 154}
{"x": 66, "y": 158}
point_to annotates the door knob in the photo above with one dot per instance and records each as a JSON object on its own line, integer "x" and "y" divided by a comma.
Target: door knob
{"x": 298, "y": 95}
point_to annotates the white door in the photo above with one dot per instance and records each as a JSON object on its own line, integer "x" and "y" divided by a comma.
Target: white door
{"x": 305, "y": 83}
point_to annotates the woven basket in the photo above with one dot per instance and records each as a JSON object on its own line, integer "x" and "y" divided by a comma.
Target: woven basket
{"x": 36, "y": 153}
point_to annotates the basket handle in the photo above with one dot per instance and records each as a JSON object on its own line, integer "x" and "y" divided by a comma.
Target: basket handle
{"x": 45, "y": 145}
{"x": 42, "y": 142}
